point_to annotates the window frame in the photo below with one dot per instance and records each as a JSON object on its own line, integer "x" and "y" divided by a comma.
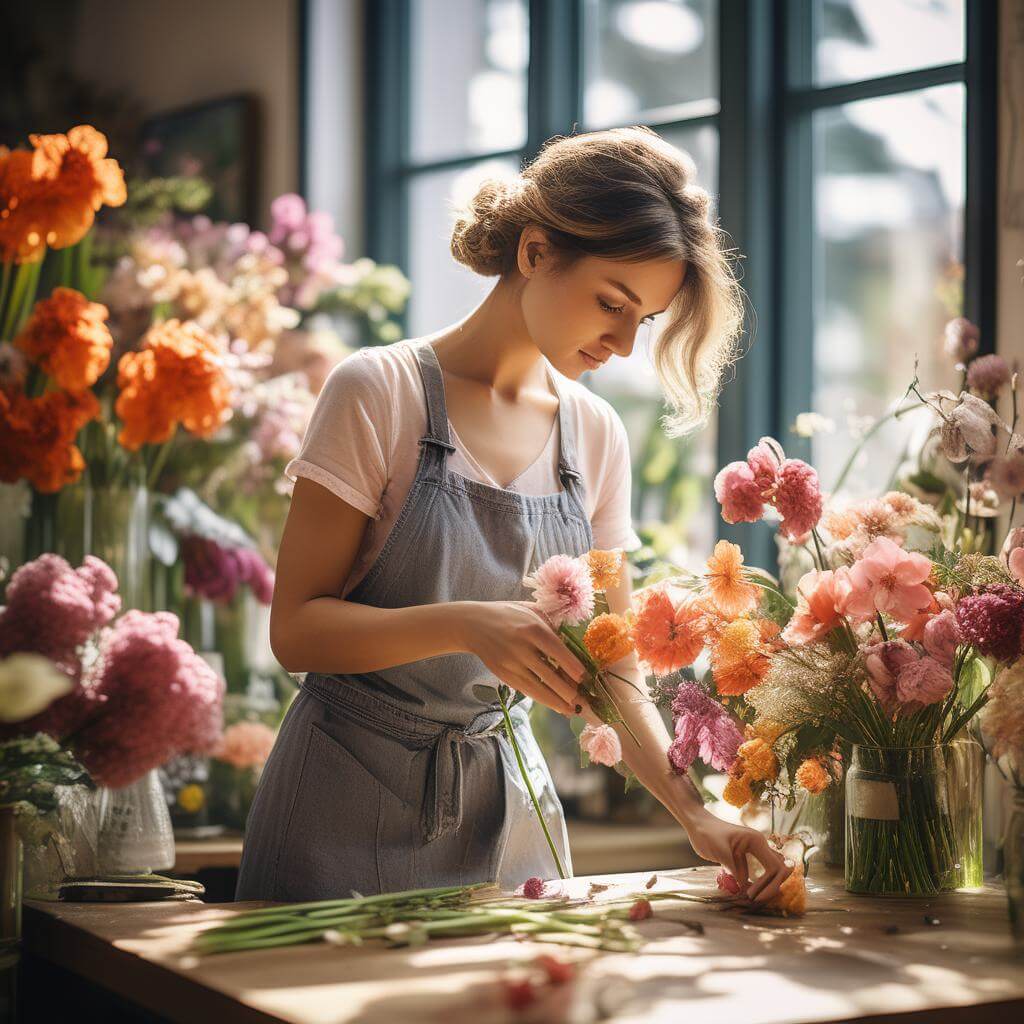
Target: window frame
{"x": 764, "y": 188}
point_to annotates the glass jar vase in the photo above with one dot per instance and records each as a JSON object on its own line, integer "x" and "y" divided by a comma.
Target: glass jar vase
{"x": 913, "y": 819}
{"x": 1013, "y": 865}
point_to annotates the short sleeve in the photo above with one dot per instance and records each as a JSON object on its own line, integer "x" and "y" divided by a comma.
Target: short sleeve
{"x": 612, "y": 519}
{"x": 348, "y": 442}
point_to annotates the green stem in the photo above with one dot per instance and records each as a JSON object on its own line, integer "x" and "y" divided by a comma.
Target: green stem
{"x": 510, "y": 729}
{"x": 868, "y": 434}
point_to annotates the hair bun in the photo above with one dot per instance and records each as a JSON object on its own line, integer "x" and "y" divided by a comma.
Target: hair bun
{"x": 486, "y": 226}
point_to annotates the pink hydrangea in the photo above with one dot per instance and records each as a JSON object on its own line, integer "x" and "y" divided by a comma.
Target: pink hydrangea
{"x": 245, "y": 745}
{"x": 988, "y": 375}
{"x": 993, "y": 621}
{"x": 797, "y": 498}
{"x": 703, "y": 728}
{"x": 563, "y": 590}
{"x": 602, "y": 744}
{"x": 53, "y": 609}
{"x": 941, "y": 636}
{"x": 888, "y": 579}
{"x": 152, "y": 698}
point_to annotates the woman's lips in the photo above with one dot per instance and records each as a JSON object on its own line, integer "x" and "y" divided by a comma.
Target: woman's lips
{"x": 591, "y": 362}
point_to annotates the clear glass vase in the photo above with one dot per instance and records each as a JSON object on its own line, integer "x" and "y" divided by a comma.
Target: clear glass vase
{"x": 913, "y": 819}
{"x": 135, "y": 834}
{"x": 1013, "y": 865}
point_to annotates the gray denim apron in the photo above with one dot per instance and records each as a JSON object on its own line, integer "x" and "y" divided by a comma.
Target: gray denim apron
{"x": 399, "y": 779}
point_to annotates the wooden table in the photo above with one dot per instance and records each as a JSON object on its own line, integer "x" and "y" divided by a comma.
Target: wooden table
{"x": 850, "y": 958}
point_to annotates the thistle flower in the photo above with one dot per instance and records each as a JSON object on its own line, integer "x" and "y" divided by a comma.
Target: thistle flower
{"x": 563, "y": 590}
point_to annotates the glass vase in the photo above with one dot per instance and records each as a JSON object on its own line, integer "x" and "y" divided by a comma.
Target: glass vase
{"x": 11, "y": 879}
{"x": 135, "y": 835}
{"x": 913, "y": 819}
{"x": 1013, "y": 865}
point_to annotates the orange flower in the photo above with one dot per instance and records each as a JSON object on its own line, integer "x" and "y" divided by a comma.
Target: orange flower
{"x": 68, "y": 337}
{"x": 792, "y": 897}
{"x": 605, "y": 567}
{"x": 764, "y": 729}
{"x": 608, "y": 638}
{"x": 37, "y": 437}
{"x": 813, "y": 775}
{"x": 739, "y": 660}
{"x": 667, "y": 635}
{"x": 176, "y": 377}
{"x": 759, "y": 761}
{"x": 732, "y": 595}
{"x": 737, "y": 791}
{"x": 49, "y": 196}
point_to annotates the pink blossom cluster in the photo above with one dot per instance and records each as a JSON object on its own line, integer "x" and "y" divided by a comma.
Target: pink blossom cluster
{"x": 905, "y": 679}
{"x": 245, "y": 745}
{"x": 702, "y": 728}
{"x": 52, "y": 609}
{"x": 215, "y": 571}
{"x": 141, "y": 695}
{"x": 993, "y": 621}
{"x": 768, "y": 478}
{"x": 312, "y": 248}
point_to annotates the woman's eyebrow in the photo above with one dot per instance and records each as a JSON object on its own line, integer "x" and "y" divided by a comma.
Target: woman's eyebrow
{"x": 632, "y": 296}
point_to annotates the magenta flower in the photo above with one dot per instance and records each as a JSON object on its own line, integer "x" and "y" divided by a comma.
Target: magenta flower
{"x": 988, "y": 375}
{"x": 602, "y": 744}
{"x": 888, "y": 579}
{"x": 797, "y": 498}
{"x": 533, "y": 888}
{"x": 993, "y": 620}
{"x": 216, "y": 572}
{"x": 563, "y": 590}
{"x": 703, "y": 728}
{"x": 727, "y": 882}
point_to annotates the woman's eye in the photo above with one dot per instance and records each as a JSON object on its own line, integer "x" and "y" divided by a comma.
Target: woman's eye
{"x": 611, "y": 309}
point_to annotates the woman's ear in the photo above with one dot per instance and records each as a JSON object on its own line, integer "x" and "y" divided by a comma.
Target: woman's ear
{"x": 533, "y": 248}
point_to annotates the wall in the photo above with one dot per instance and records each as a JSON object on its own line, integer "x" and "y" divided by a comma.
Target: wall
{"x": 171, "y": 53}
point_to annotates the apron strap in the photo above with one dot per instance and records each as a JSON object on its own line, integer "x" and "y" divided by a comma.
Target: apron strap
{"x": 433, "y": 389}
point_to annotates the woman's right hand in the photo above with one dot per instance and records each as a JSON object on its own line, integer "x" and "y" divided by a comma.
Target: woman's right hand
{"x": 510, "y": 637}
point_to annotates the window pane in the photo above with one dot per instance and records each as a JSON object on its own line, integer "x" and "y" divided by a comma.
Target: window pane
{"x": 646, "y": 60}
{"x": 673, "y": 479}
{"x": 443, "y": 290}
{"x": 858, "y": 39}
{"x": 468, "y": 76}
{"x": 889, "y": 221}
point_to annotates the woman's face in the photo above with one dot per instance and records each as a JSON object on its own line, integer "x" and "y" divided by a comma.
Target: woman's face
{"x": 583, "y": 317}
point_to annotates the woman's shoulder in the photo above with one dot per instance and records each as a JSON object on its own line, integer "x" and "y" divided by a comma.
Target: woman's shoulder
{"x": 374, "y": 371}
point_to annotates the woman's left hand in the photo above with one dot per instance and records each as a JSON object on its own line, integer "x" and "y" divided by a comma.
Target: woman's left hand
{"x": 727, "y": 844}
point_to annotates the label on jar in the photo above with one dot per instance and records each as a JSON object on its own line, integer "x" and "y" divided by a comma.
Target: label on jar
{"x": 876, "y": 800}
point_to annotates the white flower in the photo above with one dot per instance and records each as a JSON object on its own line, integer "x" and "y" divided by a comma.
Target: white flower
{"x": 28, "y": 684}
{"x": 807, "y": 424}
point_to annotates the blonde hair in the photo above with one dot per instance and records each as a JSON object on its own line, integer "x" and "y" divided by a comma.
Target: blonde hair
{"x": 623, "y": 194}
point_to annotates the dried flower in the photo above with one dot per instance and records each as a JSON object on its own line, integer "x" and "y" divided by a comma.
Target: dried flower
{"x": 533, "y": 888}
{"x": 563, "y": 590}
{"x": 970, "y": 428}
{"x": 988, "y": 375}
{"x": 962, "y": 339}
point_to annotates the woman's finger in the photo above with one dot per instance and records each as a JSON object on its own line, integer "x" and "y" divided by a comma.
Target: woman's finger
{"x": 528, "y": 683}
{"x": 553, "y": 679}
{"x": 769, "y": 885}
{"x": 548, "y": 641}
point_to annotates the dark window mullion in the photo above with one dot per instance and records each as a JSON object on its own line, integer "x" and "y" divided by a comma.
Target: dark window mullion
{"x": 807, "y": 99}
{"x": 554, "y": 96}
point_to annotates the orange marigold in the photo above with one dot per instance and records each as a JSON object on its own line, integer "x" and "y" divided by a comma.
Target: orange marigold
{"x": 67, "y": 336}
{"x": 49, "y": 195}
{"x": 605, "y": 567}
{"x": 737, "y": 791}
{"x": 732, "y": 595}
{"x": 667, "y": 635}
{"x": 738, "y": 658}
{"x": 37, "y": 437}
{"x": 176, "y": 377}
{"x": 608, "y": 638}
{"x": 813, "y": 776}
{"x": 759, "y": 761}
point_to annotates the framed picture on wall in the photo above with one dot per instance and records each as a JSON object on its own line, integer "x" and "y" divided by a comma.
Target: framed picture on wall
{"x": 217, "y": 140}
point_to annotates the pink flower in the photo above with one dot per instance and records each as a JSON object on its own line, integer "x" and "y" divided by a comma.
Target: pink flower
{"x": 563, "y": 590}
{"x": 962, "y": 339}
{"x": 602, "y": 744}
{"x": 888, "y": 579}
{"x": 533, "y": 888}
{"x": 764, "y": 461}
{"x": 738, "y": 492}
{"x": 245, "y": 745}
{"x": 820, "y": 595}
{"x": 1012, "y": 553}
{"x": 993, "y": 621}
{"x": 702, "y": 728}
{"x": 941, "y": 637}
{"x": 153, "y": 698}
{"x": 1005, "y": 475}
{"x": 884, "y": 662}
{"x": 921, "y": 682}
{"x": 988, "y": 375}
{"x": 727, "y": 882}
{"x": 797, "y": 498}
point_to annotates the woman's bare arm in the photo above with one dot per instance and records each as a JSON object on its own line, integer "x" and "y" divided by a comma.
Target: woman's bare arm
{"x": 711, "y": 837}
{"x": 314, "y": 630}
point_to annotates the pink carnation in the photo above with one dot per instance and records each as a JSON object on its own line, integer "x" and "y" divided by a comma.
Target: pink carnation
{"x": 921, "y": 682}
{"x": 737, "y": 491}
{"x": 53, "y": 609}
{"x": 245, "y": 745}
{"x": 602, "y": 744}
{"x": 888, "y": 579}
{"x": 797, "y": 498}
{"x": 727, "y": 882}
{"x": 563, "y": 590}
{"x": 941, "y": 637}
{"x": 153, "y": 698}
{"x": 764, "y": 464}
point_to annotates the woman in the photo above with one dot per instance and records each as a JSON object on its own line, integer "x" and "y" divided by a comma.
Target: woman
{"x": 420, "y": 502}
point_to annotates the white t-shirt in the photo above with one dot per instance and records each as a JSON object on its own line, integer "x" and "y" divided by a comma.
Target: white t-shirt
{"x": 362, "y": 444}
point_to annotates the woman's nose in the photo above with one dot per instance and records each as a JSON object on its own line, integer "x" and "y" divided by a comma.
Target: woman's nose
{"x": 621, "y": 341}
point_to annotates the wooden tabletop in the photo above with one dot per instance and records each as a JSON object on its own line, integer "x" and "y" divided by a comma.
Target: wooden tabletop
{"x": 851, "y": 958}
